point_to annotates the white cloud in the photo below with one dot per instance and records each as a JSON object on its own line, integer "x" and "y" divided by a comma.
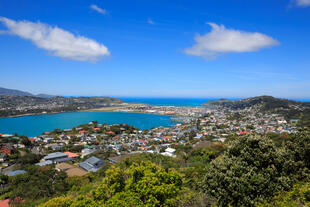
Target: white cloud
{"x": 4, "y": 32}
{"x": 98, "y": 9}
{"x": 303, "y": 3}
{"x": 150, "y": 21}
{"x": 59, "y": 42}
{"x": 222, "y": 40}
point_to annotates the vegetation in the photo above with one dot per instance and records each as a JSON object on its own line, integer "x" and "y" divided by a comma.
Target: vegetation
{"x": 37, "y": 183}
{"x": 249, "y": 170}
{"x": 298, "y": 196}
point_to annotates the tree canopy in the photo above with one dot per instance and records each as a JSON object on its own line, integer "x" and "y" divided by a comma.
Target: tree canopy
{"x": 251, "y": 170}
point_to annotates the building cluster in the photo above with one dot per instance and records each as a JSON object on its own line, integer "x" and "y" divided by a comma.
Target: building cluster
{"x": 75, "y": 150}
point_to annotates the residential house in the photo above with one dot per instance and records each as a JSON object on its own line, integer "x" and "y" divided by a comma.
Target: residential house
{"x": 3, "y": 157}
{"x": 92, "y": 164}
{"x": 55, "y": 156}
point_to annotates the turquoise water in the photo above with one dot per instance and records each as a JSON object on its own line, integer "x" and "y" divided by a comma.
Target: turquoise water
{"x": 37, "y": 124}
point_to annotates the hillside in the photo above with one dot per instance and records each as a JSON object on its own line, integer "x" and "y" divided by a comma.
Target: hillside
{"x": 267, "y": 103}
{"x": 288, "y": 108}
{"x": 12, "y": 105}
{"x": 13, "y": 92}
{"x": 6, "y": 91}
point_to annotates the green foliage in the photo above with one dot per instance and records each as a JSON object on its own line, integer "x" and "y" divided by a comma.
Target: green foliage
{"x": 84, "y": 201}
{"x": 75, "y": 148}
{"x": 29, "y": 159}
{"x": 153, "y": 184}
{"x": 4, "y": 179}
{"x": 251, "y": 170}
{"x": 58, "y": 202}
{"x": 298, "y": 196}
{"x": 298, "y": 147}
{"x": 141, "y": 184}
{"x": 203, "y": 155}
{"x": 76, "y": 182}
{"x": 25, "y": 141}
{"x": 37, "y": 183}
{"x": 158, "y": 159}
{"x": 125, "y": 199}
{"x": 113, "y": 183}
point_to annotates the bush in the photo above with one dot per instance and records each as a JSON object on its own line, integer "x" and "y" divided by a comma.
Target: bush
{"x": 251, "y": 170}
{"x": 299, "y": 196}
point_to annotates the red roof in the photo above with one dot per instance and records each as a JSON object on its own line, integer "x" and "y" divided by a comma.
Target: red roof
{"x": 143, "y": 141}
{"x": 167, "y": 137}
{"x": 71, "y": 135}
{"x": 32, "y": 139}
{"x": 96, "y": 129}
{"x": 46, "y": 132}
{"x": 5, "y": 203}
{"x": 83, "y": 131}
{"x": 110, "y": 132}
{"x": 71, "y": 154}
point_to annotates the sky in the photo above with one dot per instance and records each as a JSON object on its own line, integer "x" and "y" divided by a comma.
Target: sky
{"x": 156, "y": 48}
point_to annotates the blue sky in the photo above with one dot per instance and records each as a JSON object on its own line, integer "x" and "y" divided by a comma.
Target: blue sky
{"x": 207, "y": 48}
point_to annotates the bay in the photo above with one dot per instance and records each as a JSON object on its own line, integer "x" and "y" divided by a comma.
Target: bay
{"x": 35, "y": 125}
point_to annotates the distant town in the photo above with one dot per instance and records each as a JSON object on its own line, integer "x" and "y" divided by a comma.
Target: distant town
{"x": 195, "y": 126}
{"x": 89, "y": 149}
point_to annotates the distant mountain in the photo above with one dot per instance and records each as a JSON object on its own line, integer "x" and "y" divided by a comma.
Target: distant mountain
{"x": 6, "y": 91}
{"x": 13, "y": 92}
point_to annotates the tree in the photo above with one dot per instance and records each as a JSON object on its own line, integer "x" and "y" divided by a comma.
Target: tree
{"x": 25, "y": 141}
{"x": 29, "y": 158}
{"x": 298, "y": 147}
{"x": 58, "y": 202}
{"x": 153, "y": 184}
{"x": 251, "y": 170}
{"x": 140, "y": 184}
{"x": 298, "y": 196}
{"x": 38, "y": 182}
{"x": 4, "y": 179}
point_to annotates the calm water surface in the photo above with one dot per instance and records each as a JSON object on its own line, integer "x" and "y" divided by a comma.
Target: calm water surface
{"x": 37, "y": 124}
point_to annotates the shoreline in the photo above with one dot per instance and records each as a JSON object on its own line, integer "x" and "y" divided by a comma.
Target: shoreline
{"x": 33, "y": 114}
{"x": 102, "y": 109}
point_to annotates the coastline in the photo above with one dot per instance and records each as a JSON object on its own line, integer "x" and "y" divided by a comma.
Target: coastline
{"x": 32, "y": 114}
{"x": 102, "y": 109}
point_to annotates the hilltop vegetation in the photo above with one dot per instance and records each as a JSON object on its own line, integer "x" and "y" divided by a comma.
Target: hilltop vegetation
{"x": 249, "y": 170}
